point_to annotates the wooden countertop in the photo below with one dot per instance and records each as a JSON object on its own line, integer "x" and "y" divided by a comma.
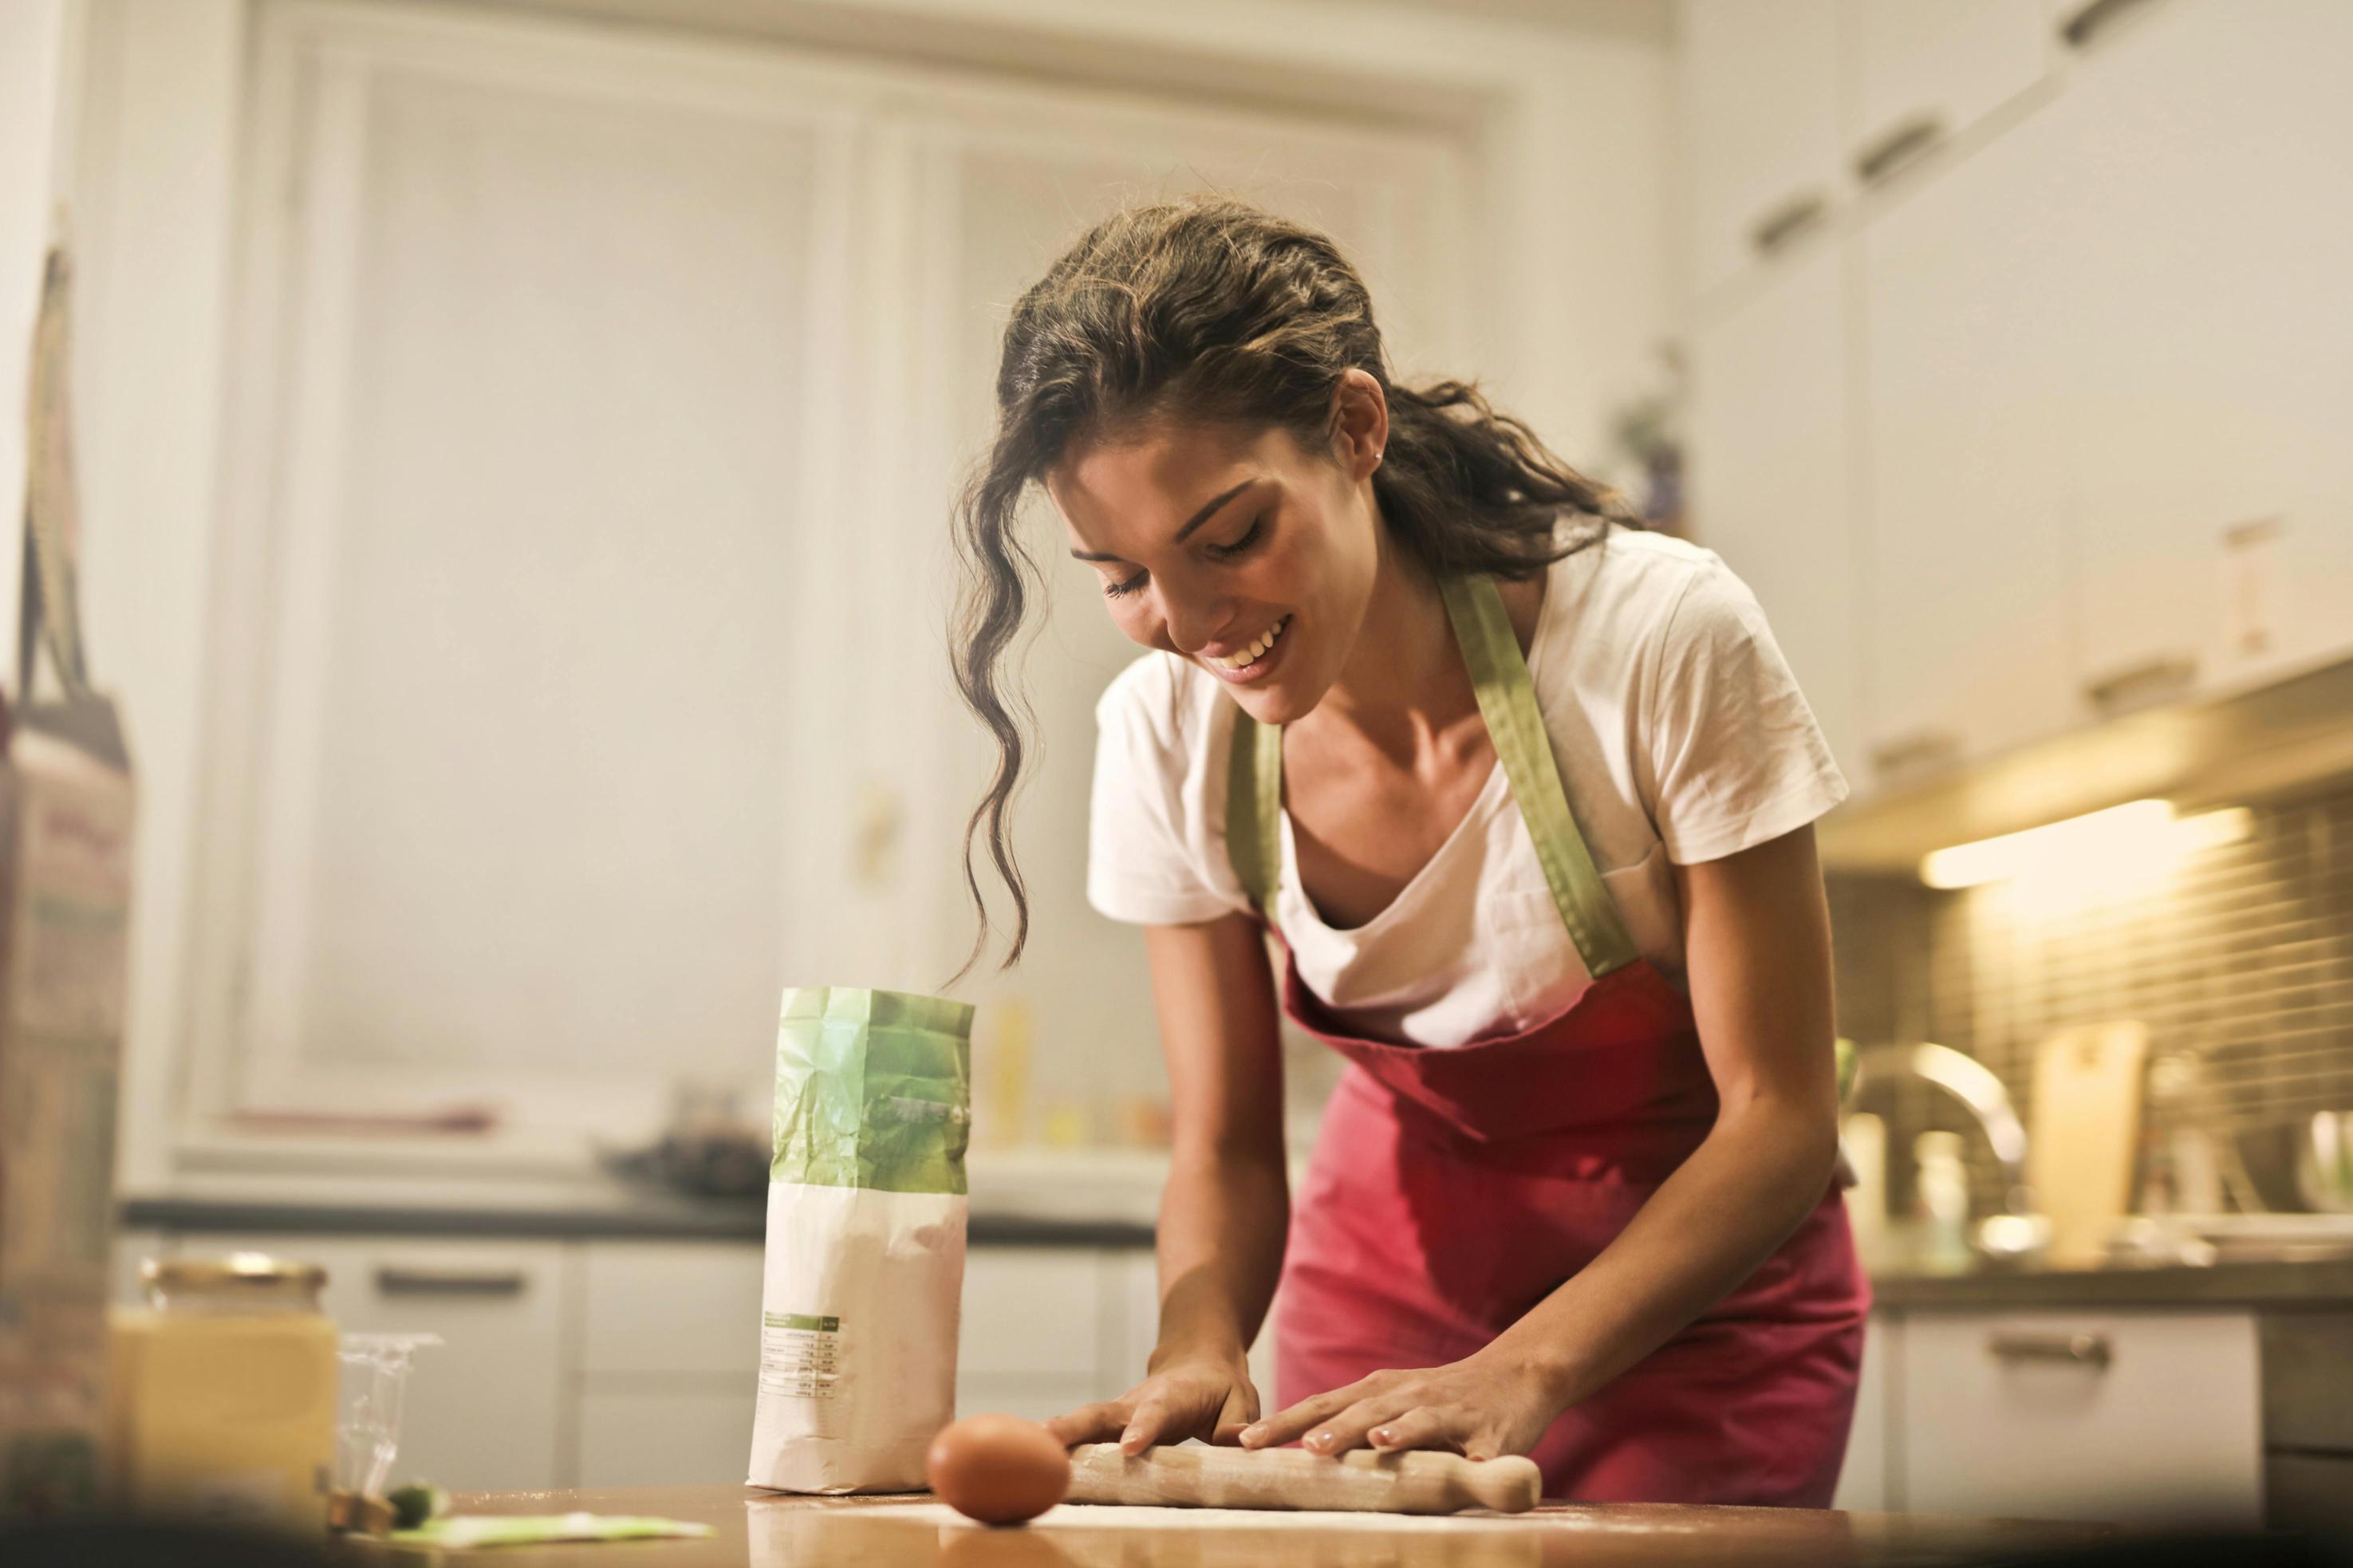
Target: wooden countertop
{"x": 766, "y": 1530}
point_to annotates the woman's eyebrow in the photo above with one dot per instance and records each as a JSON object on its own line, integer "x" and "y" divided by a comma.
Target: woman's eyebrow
{"x": 1196, "y": 521}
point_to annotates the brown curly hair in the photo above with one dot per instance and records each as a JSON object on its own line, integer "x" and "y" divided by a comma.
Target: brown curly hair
{"x": 1211, "y": 311}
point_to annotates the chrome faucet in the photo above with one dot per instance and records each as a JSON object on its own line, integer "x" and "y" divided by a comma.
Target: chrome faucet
{"x": 2021, "y": 1231}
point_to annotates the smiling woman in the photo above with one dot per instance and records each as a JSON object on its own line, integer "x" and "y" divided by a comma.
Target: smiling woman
{"x": 1214, "y": 319}
{"x": 1525, "y": 797}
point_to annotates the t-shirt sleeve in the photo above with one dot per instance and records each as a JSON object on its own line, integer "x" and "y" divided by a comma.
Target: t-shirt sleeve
{"x": 1735, "y": 755}
{"x": 1139, "y": 868}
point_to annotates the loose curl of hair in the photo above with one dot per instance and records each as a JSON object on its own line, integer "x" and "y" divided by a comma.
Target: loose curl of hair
{"x": 1207, "y": 312}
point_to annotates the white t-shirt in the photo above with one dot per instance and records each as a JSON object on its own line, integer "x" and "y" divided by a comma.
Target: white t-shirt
{"x": 1680, "y": 734}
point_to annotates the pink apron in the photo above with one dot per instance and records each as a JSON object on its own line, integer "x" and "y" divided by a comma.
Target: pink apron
{"x": 1452, "y": 1190}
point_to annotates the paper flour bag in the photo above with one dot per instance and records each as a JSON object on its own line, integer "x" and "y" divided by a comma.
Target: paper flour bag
{"x": 866, "y": 1233}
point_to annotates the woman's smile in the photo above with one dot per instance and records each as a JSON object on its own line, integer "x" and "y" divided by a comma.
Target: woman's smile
{"x": 1253, "y": 661}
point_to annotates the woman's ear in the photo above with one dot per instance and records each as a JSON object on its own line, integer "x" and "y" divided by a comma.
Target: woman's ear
{"x": 1360, "y": 423}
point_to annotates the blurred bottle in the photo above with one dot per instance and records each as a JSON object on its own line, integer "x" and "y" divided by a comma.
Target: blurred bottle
{"x": 1942, "y": 1236}
{"x": 1003, "y": 1053}
{"x": 1864, "y": 1140}
{"x": 221, "y": 1402}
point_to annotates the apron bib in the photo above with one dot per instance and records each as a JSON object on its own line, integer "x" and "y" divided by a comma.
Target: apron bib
{"x": 1451, "y": 1191}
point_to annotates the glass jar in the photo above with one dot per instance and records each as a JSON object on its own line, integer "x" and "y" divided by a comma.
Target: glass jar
{"x": 223, "y": 1393}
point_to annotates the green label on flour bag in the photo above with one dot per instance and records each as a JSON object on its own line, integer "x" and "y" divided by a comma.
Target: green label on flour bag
{"x": 873, "y": 1090}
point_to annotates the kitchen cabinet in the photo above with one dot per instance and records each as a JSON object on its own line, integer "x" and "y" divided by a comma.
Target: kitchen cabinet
{"x": 1036, "y": 1323}
{"x": 669, "y": 1361}
{"x": 1968, "y": 346}
{"x": 653, "y": 1436}
{"x": 1772, "y": 450}
{"x": 2131, "y": 1416}
{"x": 1864, "y": 1483}
{"x": 1922, "y": 72}
{"x": 2209, "y": 235}
{"x": 482, "y": 1407}
{"x": 1758, "y": 120}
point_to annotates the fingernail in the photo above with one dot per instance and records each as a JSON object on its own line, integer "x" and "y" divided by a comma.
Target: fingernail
{"x": 1382, "y": 1433}
{"x": 1252, "y": 1434}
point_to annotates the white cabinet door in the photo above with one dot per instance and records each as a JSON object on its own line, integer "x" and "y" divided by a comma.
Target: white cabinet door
{"x": 1759, "y": 117}
{"x": 483, "y": 1408}
{"x": 1922, "y": 72}
{"x": 1966, "y": 417}
{"x": 2213, "y": 235}
{"x": 1033, "y": 1330}
{"x": 2129, "y": 1417}
{"x": 1770, "y": 470}
{"x": 670, "y": 1307}
{"x": 662, "y": 1437}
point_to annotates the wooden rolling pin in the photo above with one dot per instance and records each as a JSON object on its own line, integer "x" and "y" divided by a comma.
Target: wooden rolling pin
{"x": 1411, "y": 1482}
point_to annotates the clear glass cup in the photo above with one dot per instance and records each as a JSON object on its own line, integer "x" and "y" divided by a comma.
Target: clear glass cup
{"x": 375, "y": 1383}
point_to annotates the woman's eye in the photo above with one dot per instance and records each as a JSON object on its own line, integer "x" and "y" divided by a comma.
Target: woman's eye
{"x": 1248, "y": 538}
{"x": 1122, "y": 589}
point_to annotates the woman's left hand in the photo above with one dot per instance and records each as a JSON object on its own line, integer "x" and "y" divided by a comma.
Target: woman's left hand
{"x": 1484, "y": 1406}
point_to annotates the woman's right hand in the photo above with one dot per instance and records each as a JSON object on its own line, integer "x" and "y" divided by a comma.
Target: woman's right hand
{"x": 1208, "y": 1397}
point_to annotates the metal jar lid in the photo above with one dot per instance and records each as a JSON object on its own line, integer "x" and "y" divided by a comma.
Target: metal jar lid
{"x": 237, "y": 1275}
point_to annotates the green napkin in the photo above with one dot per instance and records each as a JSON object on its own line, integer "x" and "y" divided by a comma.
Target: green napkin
{"x": 459, "y": 1530}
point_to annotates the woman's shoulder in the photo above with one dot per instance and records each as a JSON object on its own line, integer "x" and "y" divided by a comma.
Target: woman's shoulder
{"x": 1629, "y": 583}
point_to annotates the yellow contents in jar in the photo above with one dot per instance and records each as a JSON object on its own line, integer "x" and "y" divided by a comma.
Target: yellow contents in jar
{"x": 222, "y": 1395}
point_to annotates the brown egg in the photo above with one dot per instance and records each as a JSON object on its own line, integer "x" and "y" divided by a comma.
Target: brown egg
{"x": 998, "y": 1470}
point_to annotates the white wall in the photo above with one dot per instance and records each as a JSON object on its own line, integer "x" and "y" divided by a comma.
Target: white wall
{"x": 36, "y": 57}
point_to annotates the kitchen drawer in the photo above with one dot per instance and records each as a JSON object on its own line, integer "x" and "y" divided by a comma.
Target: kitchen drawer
{"x": 481, "y": 1411}
{"x": 670, "y": 1307}
{"x": 2308, "y": 1381}
{"x": 2146, "y": 1417}
{"x": 666, "y": 1437}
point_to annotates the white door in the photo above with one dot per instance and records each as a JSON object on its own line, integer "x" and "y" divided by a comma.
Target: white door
{"x": 1770, "y": 470}
{"x": 2212, "y": 235}
{"x": 584, "y": 672}
{"x": 1757, "y": 91}
{"x": 1966, "y": 420}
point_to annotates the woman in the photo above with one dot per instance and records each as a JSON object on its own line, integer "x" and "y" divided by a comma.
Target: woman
{"x": 1526, "y": 794}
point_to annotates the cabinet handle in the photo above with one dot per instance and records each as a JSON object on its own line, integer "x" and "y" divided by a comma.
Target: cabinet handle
{"x": 394, "y": 1280}
{"x": 1785, "y": 221}
{"x": 1921, "y": 749}
{"x": 1899, "y": 144}
{"x": 2138, "y": 685}
{"x": 2092, "y": 1350}
{"x": 2087, "y": 21}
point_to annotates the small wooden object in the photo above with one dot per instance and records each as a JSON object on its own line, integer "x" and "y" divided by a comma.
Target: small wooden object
{"x": 1359, "y": 1481}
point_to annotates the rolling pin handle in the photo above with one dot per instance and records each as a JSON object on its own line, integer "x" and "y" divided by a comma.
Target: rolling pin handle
{"x": 1509, "y": 1485}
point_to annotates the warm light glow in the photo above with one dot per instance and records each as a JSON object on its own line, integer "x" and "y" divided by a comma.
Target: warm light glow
{"x": 2087, "y": 844}
{"x": 2124, "y": 850}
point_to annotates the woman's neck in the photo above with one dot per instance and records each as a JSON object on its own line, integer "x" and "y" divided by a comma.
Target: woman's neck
{"x": 1404, "y": 685}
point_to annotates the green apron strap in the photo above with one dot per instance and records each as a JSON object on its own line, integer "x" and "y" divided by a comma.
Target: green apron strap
{"x": 1254, "y": 808}
{"x": 1507, "y": 699}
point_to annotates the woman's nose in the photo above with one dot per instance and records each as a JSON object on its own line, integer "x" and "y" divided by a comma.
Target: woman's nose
{"x": 1192, "y": 624}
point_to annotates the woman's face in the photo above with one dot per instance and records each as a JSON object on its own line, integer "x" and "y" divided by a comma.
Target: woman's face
{"x": 1235, "y": 548}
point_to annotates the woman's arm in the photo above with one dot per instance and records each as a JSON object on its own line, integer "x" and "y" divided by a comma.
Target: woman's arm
{"x": 1226, "y": 1208}
{"x": 1756, "y": 941}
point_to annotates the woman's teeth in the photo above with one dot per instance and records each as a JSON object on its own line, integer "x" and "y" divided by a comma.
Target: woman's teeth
{"x": 1256, "y": 651}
